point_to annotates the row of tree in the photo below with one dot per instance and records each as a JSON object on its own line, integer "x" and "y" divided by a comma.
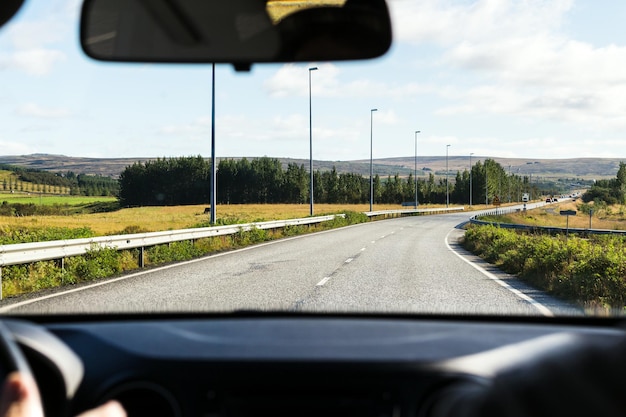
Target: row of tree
{"x": 29, "y": 179}
{"x": 186, "y": 180}
{"x": 23, "y": 186}
{"x": 165, "y": 182}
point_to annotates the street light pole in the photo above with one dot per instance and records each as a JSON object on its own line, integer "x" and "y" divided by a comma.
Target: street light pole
{"x": 372, "y": 158}
{"x": 471, "y": 179}
{"x": 311, "y": 144}
{"x": 447, "y": 188}
{"x": 415, "y": 174}
{"x": 213, "y": 159}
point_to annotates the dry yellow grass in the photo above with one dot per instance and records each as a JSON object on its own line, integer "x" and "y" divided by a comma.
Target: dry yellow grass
{"x": 614, "y": 219}
{"x": 179, "y": 217}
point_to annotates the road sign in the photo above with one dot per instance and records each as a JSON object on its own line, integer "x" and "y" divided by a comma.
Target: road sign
{"x": 567, "y": 213}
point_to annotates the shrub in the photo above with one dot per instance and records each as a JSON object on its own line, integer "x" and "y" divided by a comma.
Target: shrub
{"x": 98, "y": 262}
{"x": 586, "y": 271}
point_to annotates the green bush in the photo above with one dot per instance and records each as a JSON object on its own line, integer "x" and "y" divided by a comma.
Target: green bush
{"x": 582, "y": 270}
{"x": 96, "y": 263}
{"x": 11, "y": 235}
{"x": 172, "y": 252}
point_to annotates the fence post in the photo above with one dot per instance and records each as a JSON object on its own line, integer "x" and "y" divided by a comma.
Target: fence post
{"x": 141, "y": 261}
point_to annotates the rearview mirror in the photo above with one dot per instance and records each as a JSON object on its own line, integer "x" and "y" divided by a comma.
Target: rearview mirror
{"x": 241, "y": 32}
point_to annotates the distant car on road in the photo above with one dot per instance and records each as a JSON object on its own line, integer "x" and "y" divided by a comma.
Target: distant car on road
{"x": 554, "y": 200}
{"x": 548, "y": 200}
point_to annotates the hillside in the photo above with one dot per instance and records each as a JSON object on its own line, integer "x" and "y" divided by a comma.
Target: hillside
{"x": 587, "y": 168}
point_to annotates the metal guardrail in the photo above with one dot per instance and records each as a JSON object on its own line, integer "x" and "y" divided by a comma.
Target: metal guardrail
{"x": 413, "y": 211}
{"x": 22, "y": 253}
{"x": 541, "y": 229}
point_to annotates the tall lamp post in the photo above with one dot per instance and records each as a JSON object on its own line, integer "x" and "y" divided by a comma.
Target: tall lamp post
{"x": 213, "y": 190}
{"x": 311, "y": 144}
{"x": 415, "y": 174}
{"x": 447, "y": 188}
{"x": 471, "y": 178}
{"x": 372, "y": 158}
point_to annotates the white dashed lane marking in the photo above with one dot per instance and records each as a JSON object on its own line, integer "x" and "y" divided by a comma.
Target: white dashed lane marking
{"x": 322, "y": 282}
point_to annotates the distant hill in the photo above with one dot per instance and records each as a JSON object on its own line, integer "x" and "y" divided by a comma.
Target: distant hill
{"x": 586, "y": 168}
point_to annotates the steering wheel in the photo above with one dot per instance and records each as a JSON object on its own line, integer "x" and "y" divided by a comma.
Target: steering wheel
{"x": 11, "y": 357}
{"x": 58, "y": 367}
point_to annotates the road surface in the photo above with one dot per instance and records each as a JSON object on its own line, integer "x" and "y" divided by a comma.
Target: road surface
{"x": 410, "y": 264}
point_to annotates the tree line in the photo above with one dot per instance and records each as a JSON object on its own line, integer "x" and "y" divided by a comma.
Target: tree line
{"x": 611, "y": 191}
{"x": 186, "y": 180}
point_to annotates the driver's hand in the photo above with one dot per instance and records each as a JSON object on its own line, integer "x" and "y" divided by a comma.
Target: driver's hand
{"x": 20, "y": 398}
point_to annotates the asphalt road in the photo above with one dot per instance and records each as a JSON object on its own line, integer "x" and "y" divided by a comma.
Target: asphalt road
{"x": 410, "y": 264}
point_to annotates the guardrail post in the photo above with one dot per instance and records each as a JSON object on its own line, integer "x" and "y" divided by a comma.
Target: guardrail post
{"x": 141, "y": 257}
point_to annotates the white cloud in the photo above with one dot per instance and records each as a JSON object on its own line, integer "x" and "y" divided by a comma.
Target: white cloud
{"x": 31, "y": 44}
{"x": 35, "y": 110}
{"x": 292, "y": 81}
{"x": 387, "y": 117}
{"x": 33, "y": 61}
{"x": 516, "y": 60}
{"x": 35, "y": 34}
{"x": 446, "y": 22}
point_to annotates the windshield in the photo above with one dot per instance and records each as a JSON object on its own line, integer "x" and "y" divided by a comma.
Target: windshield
{"x": 392, "y": 179}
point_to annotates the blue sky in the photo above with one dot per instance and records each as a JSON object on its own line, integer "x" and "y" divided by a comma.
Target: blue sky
{"x": 505, "y": 78}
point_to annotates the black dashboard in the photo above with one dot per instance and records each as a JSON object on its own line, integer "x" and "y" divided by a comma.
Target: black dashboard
{"x": 306, "y": 365}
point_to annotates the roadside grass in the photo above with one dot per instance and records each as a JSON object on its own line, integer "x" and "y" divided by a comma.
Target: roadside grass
{"x": 590, "y": 272}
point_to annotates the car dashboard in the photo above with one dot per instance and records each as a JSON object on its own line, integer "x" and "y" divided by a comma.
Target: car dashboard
{"x": 292, "y": 365}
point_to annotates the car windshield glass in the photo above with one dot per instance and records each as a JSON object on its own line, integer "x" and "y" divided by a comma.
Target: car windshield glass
{"x": 476, "y": 168}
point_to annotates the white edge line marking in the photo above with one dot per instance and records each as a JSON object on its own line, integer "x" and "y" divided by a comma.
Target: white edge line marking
{"x": 542, "y": 309}
{"x": 162, "y": 268}
{"x": 322, "y": 282}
